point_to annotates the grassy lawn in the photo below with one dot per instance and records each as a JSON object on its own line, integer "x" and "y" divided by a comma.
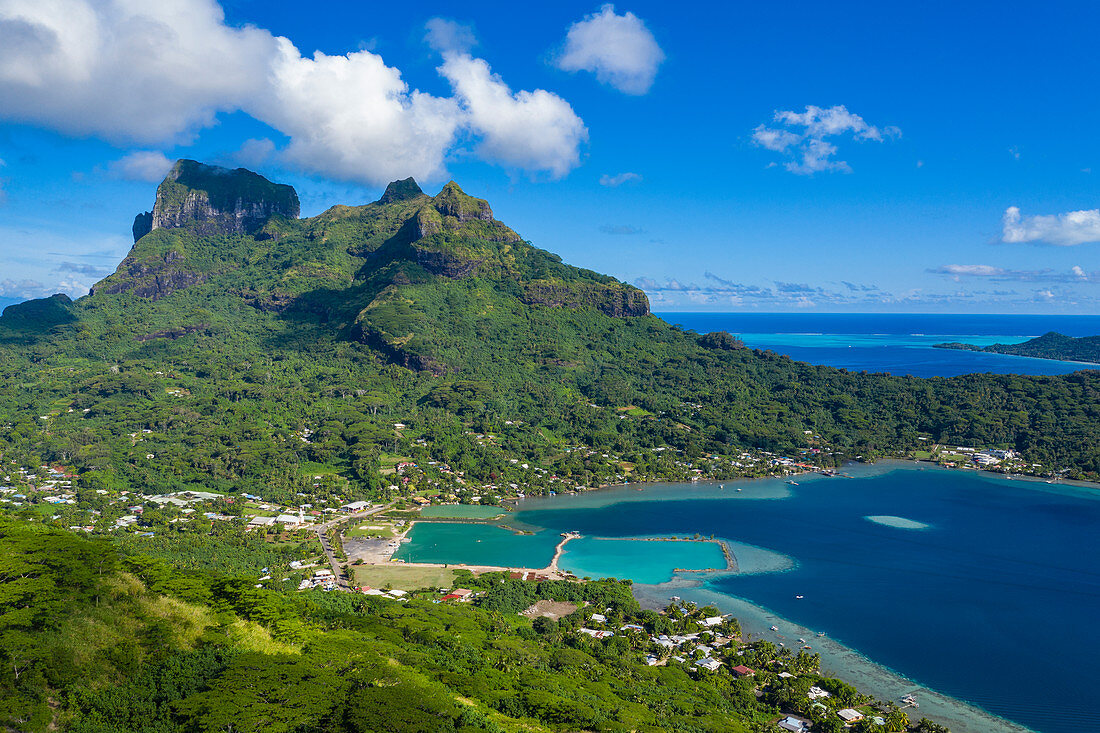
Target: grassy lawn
{"x": 403, "y": 577}
{"x": 922, "y": 455}
{"x": 309, "y": 468}
{"x": 462, "y": 511}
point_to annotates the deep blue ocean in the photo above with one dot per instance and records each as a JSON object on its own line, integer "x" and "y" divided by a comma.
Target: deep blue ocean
{"x": 895, "y": 343}
{"x": 996, "y": 601}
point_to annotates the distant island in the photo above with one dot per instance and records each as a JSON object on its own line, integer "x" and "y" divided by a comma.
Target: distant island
{"x": 1050, "y": 345}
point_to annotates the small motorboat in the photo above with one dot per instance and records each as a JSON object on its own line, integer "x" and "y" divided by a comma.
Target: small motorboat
{"x": 775, "y": 628}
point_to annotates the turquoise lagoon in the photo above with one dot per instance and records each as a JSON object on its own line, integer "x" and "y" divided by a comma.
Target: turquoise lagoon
{"x": 461, "y": 511}
{"x": 978, "y": 588}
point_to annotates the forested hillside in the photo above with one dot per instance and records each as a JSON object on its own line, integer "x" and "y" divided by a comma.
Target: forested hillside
{"x": 1048, "y": 346}
{"x": 228, "y": 352}
{"x": 101, "y": 642}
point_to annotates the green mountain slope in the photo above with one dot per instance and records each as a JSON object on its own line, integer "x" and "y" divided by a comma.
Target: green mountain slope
{"x": 229, "y": 342}
{"x": 1051, "y": 345}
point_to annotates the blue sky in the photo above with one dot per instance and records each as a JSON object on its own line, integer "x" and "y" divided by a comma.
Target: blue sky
{"x": 938, "y": 157}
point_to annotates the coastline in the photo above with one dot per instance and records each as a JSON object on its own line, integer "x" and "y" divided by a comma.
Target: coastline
{"x": 847, "y": 663}
{"x": 962, "y": 716}
{"x": 837, "y": 659}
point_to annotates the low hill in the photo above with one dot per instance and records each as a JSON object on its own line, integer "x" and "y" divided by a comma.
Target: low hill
{"x": 1050, "y": 345}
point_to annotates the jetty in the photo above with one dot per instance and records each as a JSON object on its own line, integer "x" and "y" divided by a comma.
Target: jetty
{"x": 560, "y": 549}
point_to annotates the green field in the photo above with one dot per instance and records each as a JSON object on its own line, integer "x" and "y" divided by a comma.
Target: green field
{"x": 403, "y": 576}
{"x": 461, "y": 511}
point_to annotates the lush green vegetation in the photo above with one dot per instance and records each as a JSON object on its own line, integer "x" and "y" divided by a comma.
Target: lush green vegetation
{"x": 1051, "y": 345}
{"x": 304, "y": 344}
{"x": 97, "y": 641}
{"x": 411, "y": 346}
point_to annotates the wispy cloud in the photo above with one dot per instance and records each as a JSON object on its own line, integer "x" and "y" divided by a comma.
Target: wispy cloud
{"x": 82, "y": 269}
{"x": 449, "y": 35}
{"x": 24, "y": 288}
{"x": 619, "y": 179}
{"x": 149, "y": 166}
{"x": 1063, "y": 230}
{"x": 254, "y": 152}
{"x": 992, "y": 273}
{"x": 801, "y": 137}
{"x": 723, "y": 291}
{"x": 618, "y": 49}
{"x": 621, "y": 229}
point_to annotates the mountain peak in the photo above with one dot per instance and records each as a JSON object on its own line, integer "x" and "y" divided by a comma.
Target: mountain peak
{"x": 401, "y": 191}
{"x": 453, "y": 201}
{"x": 214, "y": 200}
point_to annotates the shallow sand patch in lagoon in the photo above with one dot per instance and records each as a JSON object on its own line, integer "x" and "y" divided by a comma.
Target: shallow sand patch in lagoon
{"x": 898, "y": 522}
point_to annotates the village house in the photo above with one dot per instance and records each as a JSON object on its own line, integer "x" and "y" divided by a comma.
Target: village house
{"x": 849, "y": 715}
{"x": 596, "y": 633}
{"x": 793, "y": 724}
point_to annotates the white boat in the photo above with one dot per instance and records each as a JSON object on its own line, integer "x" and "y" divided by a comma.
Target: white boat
{"x": 799, "y": 597}
{"x": 793, "y": 483}
{"x": 775, "y": 628}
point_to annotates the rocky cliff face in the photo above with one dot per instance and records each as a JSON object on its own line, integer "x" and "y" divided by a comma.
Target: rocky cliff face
{"x": 401, "y": 191}
{"x": 616, "y": 300}
{"x": 154, "y": 279}
{"x": 212, "y": 200}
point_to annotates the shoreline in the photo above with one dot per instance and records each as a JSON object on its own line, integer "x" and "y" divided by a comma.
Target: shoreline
{"x": 847, "y": 663}
{"x": 837, "y": 659}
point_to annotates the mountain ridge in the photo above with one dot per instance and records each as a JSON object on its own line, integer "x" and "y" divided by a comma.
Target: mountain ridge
{"x": 428, "y": 312}
{"x": 362, "y": 255}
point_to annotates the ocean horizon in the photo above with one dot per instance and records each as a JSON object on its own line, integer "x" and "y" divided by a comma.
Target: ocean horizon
{"x": 896, "y": 343}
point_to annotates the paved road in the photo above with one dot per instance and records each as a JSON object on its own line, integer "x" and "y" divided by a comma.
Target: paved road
{"x": 322, "y": 535}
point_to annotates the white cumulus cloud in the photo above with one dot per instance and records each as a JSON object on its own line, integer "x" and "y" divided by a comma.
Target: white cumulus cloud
{"x": 126, "y": 70}
{"x": 142, "y": 165}
{"x": 1064, "y": 230}
{"x": 619, "y": 49}
{"x": 132, "y": 71}
{"x": 801, "y": 137}
{"x": 353, "y": 117}
{"x": 529, "y": 130}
